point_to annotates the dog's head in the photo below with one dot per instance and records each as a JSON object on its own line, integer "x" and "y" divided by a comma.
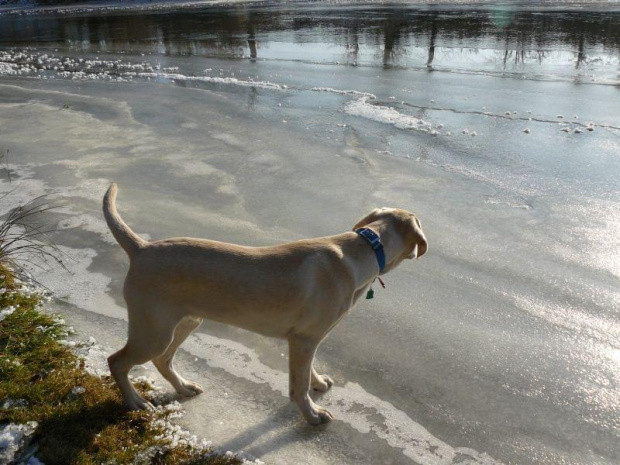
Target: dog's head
{"x": 407, "y": 229}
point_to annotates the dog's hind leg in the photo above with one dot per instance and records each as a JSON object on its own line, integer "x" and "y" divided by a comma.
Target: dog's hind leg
{"x": 148, "y": 338}
{"x": 164, "y": 361}
{"x": 301, "y": 354}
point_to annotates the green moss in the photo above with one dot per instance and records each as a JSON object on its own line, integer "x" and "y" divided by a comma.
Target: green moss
{"x": 92, "y": 427}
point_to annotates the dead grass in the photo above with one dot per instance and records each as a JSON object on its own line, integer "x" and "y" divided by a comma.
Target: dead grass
{"x": 24, "y": 240}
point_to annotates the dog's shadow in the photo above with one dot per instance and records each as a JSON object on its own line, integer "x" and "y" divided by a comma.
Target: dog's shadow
{"x": 283, "y": 427}
{"x": 77, "y": 430}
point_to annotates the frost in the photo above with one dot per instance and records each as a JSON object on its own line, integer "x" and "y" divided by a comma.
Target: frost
{"x": 95, "y": 358}
{"x": 12, "y": 438}
{"x": 6, "y": 312}
{"x": 11, "y": 403}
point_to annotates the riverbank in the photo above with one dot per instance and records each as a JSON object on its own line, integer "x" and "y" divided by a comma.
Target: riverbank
{"x": 56, "y": 409}
{"x": 103, "y": 6}
{"x": 64, "y": 7}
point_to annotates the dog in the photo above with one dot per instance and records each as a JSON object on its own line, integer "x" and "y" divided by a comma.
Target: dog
{"x": 297, "y": 291}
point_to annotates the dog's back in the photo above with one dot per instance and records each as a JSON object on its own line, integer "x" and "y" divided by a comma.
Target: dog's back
{"x": 262, "y": 289}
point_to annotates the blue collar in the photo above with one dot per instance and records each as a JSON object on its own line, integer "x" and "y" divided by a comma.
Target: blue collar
{"x": 375, "y": 242}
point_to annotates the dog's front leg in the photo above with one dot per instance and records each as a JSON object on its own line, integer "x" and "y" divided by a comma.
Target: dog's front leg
{"x": 320, "y": 383}
{"x": 301, "y": 354}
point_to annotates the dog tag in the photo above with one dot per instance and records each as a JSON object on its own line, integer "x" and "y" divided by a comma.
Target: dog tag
{"x": 370, "y": 294}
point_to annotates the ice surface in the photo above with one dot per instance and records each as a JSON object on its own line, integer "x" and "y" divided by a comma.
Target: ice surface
{"x": 501, "y": 344}
{"x": 350, "y": 403}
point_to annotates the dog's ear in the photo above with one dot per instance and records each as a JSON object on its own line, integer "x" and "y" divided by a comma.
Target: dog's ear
{"x": 416, "y": 238}
{"x": 370, "y": 218}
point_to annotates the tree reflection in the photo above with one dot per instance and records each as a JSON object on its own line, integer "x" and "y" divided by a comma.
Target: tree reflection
{"x": 389, "y": 32}
{"x": 431, "y": 46}
{"x": 391, "y": 40}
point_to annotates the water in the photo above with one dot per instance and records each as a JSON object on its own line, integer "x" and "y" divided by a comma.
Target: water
{"x": 262, "y": 124}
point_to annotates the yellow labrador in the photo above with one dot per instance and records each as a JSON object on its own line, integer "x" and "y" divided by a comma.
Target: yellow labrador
{"x": 297, "y": 291}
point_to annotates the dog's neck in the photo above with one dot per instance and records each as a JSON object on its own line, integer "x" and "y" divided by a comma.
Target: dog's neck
{"x": 392, "y": 243}
{"x": 365, "y": 268}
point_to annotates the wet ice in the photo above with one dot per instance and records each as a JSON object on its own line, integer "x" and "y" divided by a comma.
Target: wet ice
{"x": 504, "y": 333}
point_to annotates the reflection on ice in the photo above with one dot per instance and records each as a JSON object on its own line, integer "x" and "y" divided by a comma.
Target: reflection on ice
{"x": 559, "y": 44}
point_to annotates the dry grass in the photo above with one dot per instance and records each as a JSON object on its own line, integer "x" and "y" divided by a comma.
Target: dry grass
{"x": 24, "y": 239}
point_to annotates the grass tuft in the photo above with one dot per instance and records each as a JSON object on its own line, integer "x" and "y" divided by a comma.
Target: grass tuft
{"x": 24, "y": 240}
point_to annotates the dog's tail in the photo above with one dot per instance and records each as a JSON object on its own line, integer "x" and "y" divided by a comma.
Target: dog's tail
{"x": 128, "y": 239}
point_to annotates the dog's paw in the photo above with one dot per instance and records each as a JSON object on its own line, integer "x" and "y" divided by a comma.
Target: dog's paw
{"x": 322, "y": 383}
{"x": 190, "y": 389}
{"x": 313, "y": 413}
{"x": 320, "y": 417}
{"x": 140, "y": 404}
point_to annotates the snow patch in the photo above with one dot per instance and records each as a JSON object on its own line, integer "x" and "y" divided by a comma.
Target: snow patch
{"x": 12, "y": 438}
{"x": 14, "y": 403}
{"x": 386, "y": 115}
{"x": 215, "y": 80}
{"x": 95, "y": 358}
{"x": 6, "y": 312}
{"x": 344, "y": 92}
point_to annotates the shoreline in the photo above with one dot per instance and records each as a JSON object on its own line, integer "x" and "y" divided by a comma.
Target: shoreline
{"x": 70, "y": 410}
{"x": 33, "y": 7}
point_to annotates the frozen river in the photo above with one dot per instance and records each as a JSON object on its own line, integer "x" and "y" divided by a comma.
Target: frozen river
{"x": 499, "y": 127}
